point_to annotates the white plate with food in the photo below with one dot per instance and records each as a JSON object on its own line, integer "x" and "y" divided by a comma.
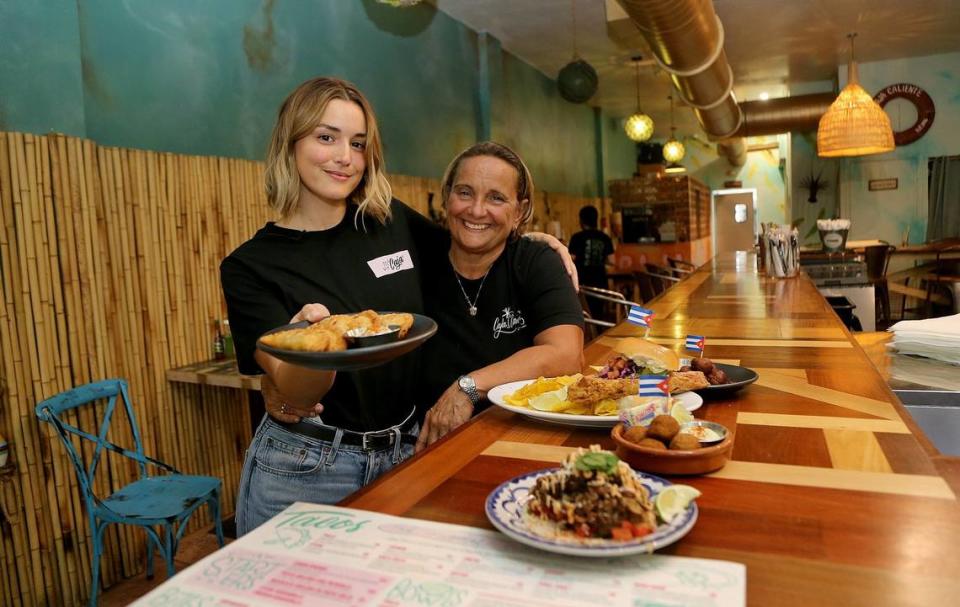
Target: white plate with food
{"x": 516, "y": 509}
{"x": 500, "y": 396}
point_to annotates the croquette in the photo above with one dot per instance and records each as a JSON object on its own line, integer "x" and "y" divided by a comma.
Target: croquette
{"x": 684, "y": 442}
{"x": 663, "y": 428}
{"x": 652, "y": 443}
{"x": 635, "y": 434}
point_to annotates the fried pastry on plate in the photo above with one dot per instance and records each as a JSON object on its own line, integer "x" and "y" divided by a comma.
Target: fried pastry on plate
{"x": 590, "y": 390}
{"x": 685, "y": 381}
{"x": 310, "y": 339}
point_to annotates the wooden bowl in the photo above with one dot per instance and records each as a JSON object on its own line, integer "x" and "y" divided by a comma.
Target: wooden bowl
{"x": 698, "y": 461}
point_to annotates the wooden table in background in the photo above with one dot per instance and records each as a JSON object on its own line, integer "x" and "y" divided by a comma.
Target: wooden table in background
{"x": 833, "y": 496}
{"x": 220, "y": 373}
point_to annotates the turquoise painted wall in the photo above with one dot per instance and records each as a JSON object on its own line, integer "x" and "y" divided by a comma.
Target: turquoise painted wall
{"x": 529, "y": 115}
{"x": 41, "y": 88}
{"x": 619, "y": 151}
{"x": 761, "y": 172}
{"x": 207, "y": 78}
{"x": 890, "y": 214}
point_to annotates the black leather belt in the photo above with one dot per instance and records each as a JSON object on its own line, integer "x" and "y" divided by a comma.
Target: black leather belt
{"x": 370, "y": 441}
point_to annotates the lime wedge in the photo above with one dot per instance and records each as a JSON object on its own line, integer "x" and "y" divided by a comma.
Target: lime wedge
{"x": 674, "y": 500}
{"x": 680, "y": 413}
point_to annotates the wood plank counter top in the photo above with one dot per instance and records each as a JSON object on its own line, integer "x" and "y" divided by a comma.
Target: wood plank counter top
{"x": 832, "y": 497}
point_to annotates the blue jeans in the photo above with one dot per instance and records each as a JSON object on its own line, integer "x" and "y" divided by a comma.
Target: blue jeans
{"x": 282, "y": 467}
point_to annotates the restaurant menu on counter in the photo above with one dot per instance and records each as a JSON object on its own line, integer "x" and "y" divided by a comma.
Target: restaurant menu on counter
{"x": 324, "y": 555}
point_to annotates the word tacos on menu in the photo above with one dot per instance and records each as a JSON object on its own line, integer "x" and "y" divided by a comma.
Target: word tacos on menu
{"x": 339, "y": 331}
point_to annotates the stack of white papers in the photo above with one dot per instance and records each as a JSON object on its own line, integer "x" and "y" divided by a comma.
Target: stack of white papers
{"x": 937, "y": 338}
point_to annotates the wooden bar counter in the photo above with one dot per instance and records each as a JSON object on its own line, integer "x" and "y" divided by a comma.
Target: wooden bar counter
{"x": 832, "y": 497}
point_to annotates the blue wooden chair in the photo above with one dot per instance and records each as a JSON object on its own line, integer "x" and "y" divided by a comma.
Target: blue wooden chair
{"x": 150, "y": 501}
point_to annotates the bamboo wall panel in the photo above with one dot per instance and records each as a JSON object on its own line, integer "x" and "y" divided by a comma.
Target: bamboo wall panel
{"x": 110, "y": 268}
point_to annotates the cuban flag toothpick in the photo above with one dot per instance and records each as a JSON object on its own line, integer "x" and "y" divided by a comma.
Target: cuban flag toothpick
{"x": 696, "y": 343}
{"x": 654, "y": 385}
{"x": 640, "y": 316}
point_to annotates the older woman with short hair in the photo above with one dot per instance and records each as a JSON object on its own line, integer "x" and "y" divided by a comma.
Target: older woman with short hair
{"x": 507, "y": 310}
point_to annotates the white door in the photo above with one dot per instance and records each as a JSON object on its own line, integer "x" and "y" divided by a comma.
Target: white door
{"x": 734, "y": 220}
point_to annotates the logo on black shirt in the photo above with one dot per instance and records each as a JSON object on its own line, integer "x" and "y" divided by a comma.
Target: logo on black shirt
{"x": 509, "y": 321}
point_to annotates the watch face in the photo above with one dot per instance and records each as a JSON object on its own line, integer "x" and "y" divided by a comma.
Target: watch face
{"x": 466, "y": 382}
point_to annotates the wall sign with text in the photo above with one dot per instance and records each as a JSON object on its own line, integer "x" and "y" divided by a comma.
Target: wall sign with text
{"x": 920, "y": 100}
{"x": 883, "y": 184}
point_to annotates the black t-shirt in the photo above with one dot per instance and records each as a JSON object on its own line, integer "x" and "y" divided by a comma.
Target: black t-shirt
{"x": 526, "y": 292}
{"x": 590, "y": 249}
{"x": 270, "y": 277}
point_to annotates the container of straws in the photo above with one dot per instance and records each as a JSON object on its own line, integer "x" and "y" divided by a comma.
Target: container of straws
{"x": 781, "y": 245}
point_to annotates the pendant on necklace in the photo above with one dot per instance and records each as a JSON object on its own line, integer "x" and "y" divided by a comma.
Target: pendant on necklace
{"x": 473, "y": 310}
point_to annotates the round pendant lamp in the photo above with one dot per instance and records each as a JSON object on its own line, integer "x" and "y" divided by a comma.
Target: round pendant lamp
{"x": 673, "y": 150}
{"x": 854, "y": 124}
{"x": 577, "y": 80}
{"x": 639, "y": 126}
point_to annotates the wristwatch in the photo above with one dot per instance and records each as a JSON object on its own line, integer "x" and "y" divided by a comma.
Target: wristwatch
{"x": 469, "y": 387}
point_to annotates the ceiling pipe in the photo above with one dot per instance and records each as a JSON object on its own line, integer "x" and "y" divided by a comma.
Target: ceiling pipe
{"x": 686, "y": 38}
{"x": 775, "y": 116}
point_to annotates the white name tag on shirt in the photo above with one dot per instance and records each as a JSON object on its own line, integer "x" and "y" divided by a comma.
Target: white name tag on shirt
{"x": 391, "y": 264}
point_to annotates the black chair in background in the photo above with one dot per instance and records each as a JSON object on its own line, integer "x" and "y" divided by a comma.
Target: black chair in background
{"x": 680, "y": 265}
{"x": 877, "y": 258}
{"x": 655, "y": 282}
{"x": 593, "y": 325}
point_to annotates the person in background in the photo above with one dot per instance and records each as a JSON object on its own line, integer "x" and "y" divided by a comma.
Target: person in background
{"x": 506, "y": 309}
{"x": 591, "y": 250}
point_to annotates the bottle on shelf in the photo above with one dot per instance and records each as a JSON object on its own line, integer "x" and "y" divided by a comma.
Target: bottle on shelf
{"x": 219, "y": 345}
{"x": 228, "y": 340}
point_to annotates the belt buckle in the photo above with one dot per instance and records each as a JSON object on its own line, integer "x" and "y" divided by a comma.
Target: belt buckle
{"x": 368, "y": 438}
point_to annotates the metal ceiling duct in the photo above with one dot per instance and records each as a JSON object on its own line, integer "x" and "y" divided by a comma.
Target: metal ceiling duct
{"x": 775, "y": 116}
{"x": 686, "y": 38}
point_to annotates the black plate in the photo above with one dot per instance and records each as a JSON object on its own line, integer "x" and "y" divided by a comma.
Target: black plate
{"x": 354, "y": 359}
{"x": 738, "y": 376}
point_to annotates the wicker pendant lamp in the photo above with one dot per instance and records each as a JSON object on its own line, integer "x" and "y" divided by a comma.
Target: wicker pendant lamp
{"x": 639, "y": 126}
{"x": 854, "y": 125}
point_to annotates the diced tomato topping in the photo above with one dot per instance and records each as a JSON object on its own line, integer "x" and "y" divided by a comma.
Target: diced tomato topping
{"x": 583, "y": 530}
{"x": 621, "y": 533}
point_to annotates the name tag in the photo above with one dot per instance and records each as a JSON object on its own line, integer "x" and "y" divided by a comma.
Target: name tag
{"x": 391, "y": 264}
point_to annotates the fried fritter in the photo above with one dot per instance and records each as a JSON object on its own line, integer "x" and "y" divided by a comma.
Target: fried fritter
{"x": 684, "y": 442}
{"x": 664, "y": 428}
{"x": 652, "y": 443}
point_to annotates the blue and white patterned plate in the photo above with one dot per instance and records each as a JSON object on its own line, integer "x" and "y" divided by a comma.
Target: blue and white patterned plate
{"x": 506, "y": 508}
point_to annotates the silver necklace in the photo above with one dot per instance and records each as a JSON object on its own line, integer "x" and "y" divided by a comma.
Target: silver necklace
{"x": 471, "y": 305}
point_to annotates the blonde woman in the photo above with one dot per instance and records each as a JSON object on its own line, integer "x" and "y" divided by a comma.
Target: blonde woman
{"x": 325, "y": 178}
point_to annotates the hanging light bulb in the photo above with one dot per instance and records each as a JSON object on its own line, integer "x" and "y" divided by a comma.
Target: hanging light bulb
{"x": 577, "y": 80}
{"x": 639, "y": 126}
{"x": 854, "y": 124}
{"x": 673, "y": 150}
